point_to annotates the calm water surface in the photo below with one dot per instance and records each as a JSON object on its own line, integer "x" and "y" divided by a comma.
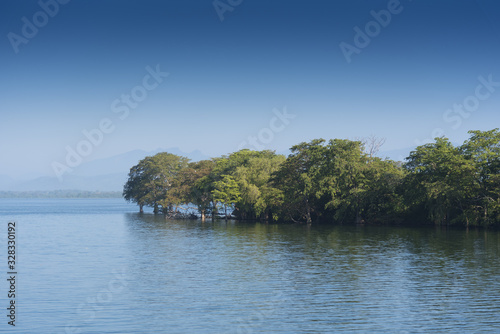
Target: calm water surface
{"x": 97, "y": 266}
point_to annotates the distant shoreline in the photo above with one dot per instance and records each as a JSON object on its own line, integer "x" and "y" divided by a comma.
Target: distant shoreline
{"x": 61, "y": 194}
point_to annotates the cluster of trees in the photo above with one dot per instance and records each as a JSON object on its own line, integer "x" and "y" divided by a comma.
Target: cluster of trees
{"x": 335, "y": 181}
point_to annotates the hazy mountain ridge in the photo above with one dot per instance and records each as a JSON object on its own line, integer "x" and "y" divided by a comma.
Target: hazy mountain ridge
{"x": 108, "y": 174}
{"x": 60, "y": 194}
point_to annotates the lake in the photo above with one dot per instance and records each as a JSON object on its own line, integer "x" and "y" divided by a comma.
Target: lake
{"x": 97, "y": 266}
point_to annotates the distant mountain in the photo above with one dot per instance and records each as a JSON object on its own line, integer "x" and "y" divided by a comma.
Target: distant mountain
{"x": 116, "y": 164}
{"x": 109, "y": 174}
{"x": 60, "y": 194}
{"x": 123, "y": 162}
{"x": 6, "y": 182}
{"x": 109, "y": 182}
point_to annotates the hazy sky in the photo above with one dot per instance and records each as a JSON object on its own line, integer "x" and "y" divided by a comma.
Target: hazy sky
{"x": 404, "y": 70}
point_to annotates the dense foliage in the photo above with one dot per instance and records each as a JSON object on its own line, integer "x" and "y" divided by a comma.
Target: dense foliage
{"x": 333, "y": 181}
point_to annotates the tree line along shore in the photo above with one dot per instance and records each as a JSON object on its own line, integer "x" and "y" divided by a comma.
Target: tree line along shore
{"x": 337, "y": 181}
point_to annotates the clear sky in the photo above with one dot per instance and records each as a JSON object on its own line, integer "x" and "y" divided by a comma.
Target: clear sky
{"x": 344, "y": 69}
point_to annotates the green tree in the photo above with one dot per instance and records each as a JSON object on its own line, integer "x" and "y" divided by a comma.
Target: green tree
{"x": 135, "y": 189}
{"x": 382, "y": 200}
{"x": 226, "y": 191}
{"x": 337, "y": 182}
{"x": 482, "y": 150}
{"x": 199, "y": 186}
{"x": 438, "y": 182}
{"x": 259, "y": 198}
{"x": 296, "y": 180}
{"x": 251, "y": 170}
{"x": 342, "y": 179}
{"x": 152, "y": 180}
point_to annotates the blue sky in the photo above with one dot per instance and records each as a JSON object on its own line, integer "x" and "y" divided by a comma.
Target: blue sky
{"x": 227, "y": 76}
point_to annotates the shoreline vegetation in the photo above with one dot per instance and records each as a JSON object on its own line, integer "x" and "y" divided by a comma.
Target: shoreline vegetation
{"x": 337, "y": 182}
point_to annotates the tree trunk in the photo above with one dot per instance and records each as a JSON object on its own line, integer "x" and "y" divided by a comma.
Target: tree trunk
{"x": 225, "y": 211}
{"x": 203, "y": 216}
{"x": 308, "y": 213}
{"x": 358, "y": 217}
{"x": 266, "y": 216}
{"x": 213, "y": 210}
{"x": 141, "y": 208}
{"x": 155, "y": 209}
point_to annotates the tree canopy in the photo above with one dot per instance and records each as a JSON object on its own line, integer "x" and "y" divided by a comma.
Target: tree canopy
{"x": 335, "y": 181}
